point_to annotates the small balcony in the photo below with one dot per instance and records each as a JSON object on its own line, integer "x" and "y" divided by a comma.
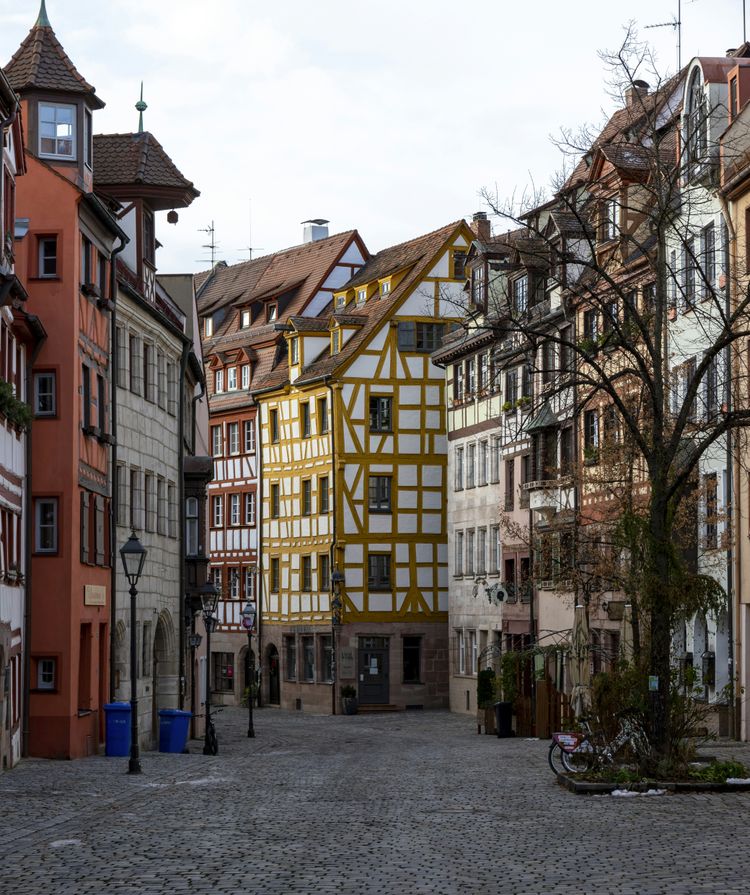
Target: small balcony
{"x": 550, "y": 496}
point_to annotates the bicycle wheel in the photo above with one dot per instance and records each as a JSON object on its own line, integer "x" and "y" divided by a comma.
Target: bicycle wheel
{"x": 579, "y": 761}
{"x": 554, "y": 757}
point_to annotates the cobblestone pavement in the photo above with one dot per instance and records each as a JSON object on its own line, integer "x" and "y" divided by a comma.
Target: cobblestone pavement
{"x": 398, "y": 803}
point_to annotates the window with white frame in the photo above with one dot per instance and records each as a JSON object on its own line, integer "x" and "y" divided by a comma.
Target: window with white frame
{"x": 47, "y": 260}
{"x": 217, "y": 510}
{"x": 234, "y": 583}
{"x": 233, "y": 433}
{"x": 57, "y": 131}
{"x": 481, "y": 551}
{"x": 246, "y": 376}
{"x": 482, "y": 478}
{"x": 473, "y": 654}
{"x": 459, "y": 477}
{"x": 461, "y": 652}
{"x": 219, "y": 381}
{"x": 249, "y": 583}
{"x": 495, "y": 460}
{"x": 232, "y": 379}
{"x": 45, "y": 393}
{"x": 249, "y": 436}
{"x": 471, "y": 453}
{"x": 216, "y": 441}
{"x": 379, "y": 571}
{"x": 46, "y": 674}
{"x": 208, "y": 327}
{"x": 250, "y": 508}
{"x": 45, "y": 523}
{"x": 234, "y": 509}
{"x": 470, "y": 546}
{"x": 494, "y": 549}
{"x": 244, "y": 319}
{"x": 459, "y": 554}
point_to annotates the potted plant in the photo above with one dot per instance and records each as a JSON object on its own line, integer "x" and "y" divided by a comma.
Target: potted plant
{"x": 348, "y": 700}
{"x": 507, "y": 406}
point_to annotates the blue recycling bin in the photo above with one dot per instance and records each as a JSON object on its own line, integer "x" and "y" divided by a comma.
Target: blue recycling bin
{"x": 173, "y": 730}
{"x": 118, "y": 729}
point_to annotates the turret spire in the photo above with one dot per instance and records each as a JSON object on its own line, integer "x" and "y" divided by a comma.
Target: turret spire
{"x": 141, "y": 107}
{"x": 43, "y": 19}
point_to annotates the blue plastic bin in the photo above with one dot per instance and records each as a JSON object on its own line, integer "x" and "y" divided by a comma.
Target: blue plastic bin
{"x": 173, "y": 730}
{"x": 118, "y": 728}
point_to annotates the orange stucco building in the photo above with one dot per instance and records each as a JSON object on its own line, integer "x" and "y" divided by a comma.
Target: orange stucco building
{"x": 65, "y": 261}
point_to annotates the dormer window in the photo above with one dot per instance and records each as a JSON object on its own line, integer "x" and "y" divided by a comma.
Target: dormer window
{"x": 246, "y": 376}
{"x": 57, "y": 131}
{"x": 208, "y": 327}
{"x": 521, "y": 294}
{"x": 244, "y": 319}
{"x": 232, "y": 379}
{"x": 608, "y": 221}
{"x": 272, "y": 312}
{"x": 341, "y": 301}
{"x": 361, "y": 297}
{"x": 294, "y": 350}
{"x": 219, "y": 381}
{"x": 385, "y": 287}
{"x": 335, "y": 341}
{"x": 478, "y": 286}
{"x": 459, "y": 265}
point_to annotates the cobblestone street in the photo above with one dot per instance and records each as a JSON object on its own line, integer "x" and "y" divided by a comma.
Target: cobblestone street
{"x": 396, "y": 803}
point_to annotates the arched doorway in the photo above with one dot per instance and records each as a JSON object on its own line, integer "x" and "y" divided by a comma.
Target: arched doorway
{"x": 274, "y": 676}
{"x": 164, "y": 672}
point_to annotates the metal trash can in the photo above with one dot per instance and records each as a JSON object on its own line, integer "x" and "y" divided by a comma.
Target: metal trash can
{"x": 173, "y": 730}
{"x": 117, "y": 729}
{"x": 504, "y": 719}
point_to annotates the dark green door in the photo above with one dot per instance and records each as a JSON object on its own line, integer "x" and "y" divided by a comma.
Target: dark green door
{"x": 373, "y": 686}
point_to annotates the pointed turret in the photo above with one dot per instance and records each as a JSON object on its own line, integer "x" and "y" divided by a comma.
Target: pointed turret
{"x": 41, "y": 63}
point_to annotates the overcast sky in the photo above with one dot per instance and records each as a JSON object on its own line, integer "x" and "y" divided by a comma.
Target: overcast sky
{"x": 385, "y": 115}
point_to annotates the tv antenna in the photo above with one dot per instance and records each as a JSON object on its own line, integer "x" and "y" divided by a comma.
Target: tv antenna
{"x": 211, "y": 244}
{"x": 676, "y": 23}
{"x": 250, "y": 248}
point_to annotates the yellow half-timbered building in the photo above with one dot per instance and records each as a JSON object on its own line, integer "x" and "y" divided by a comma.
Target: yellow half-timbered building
{"x": 354, "y": 485}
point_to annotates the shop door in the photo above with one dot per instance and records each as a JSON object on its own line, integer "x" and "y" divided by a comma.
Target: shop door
{"x": 373, "y": 686}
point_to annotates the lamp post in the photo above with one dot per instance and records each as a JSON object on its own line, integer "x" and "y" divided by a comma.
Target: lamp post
{"x": 133, "y": 555}
{"x": 209, "y": 598}
{"x": 248, "y": 621}
{"x": 337, "y": 580}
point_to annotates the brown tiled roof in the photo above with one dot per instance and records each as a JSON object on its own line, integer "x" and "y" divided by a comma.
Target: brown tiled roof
{"x": 392, "y": 260}
{"x": 301, "y": 269}
{"x": 310, "y": 324}
{"x": 136, "y": 159}
{"x": 421, "y": 253}
{"x": 41, "y": 63}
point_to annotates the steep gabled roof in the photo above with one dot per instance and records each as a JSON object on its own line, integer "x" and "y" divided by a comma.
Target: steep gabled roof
{"x": 139, "y": 160}
{"x": 421, "y": 254}
{"x": 41, "y": 63}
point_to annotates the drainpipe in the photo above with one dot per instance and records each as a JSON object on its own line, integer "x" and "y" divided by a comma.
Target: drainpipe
{"x": 258, "y": 551}
{"x": 186, "y": 348}
{"x": 28, "y": 535}
{"x": 114, "y": 500}
{"x": 332, "y": 561}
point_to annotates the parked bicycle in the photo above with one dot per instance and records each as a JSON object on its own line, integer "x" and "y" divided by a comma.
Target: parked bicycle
{"x": 588, "y": 749}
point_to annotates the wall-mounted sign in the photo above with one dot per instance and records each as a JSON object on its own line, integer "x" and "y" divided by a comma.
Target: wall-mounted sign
{"x": 346, "y": 663}
{"x": 94, "y": 595}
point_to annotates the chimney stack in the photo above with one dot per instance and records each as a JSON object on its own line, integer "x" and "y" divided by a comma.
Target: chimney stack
{"x": 637, "y": 91}
{"x": 315, "y": 229}
{"x": 481, "y": 226}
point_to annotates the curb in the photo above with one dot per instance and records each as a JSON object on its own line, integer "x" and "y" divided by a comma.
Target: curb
{"x": 584, "y": 788}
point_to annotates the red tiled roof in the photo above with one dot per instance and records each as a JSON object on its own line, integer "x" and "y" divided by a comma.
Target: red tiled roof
{"x": 136, "y": 159}
{"x": 41, "y": 63}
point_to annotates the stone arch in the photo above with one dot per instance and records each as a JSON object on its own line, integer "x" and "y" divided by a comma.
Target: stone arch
{"x": 165, "y": 664}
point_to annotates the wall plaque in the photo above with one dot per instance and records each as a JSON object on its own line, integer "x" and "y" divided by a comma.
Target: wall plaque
{"x": 346, "y": 663}
{"x": 94, "y": 595}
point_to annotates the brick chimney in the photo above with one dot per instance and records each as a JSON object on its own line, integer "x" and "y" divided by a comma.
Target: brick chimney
{"x": 481, "y": 226}
{"x": 637, "y": 91}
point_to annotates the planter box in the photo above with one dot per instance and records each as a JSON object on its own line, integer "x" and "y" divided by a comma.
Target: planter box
{"x": 349, "y": 705}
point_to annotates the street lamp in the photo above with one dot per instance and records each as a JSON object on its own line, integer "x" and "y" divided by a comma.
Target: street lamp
{"x": 209, "y": 598}
{"x": 133, "y": 555}
{"x": 337, "y": 581}
{"x": 248, "y": 621}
